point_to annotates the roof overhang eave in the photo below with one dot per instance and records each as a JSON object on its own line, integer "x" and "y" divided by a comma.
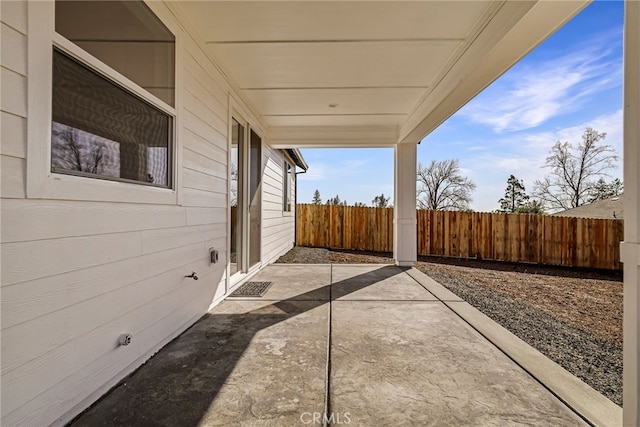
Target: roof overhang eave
{"x": 297, "y": 158}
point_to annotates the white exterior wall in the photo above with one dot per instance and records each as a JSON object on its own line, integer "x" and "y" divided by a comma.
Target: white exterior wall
{"x": 77, "y": 274}
{"x": 278, "y": 227}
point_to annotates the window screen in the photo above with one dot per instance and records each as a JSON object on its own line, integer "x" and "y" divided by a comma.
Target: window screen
{"x": 100, "y": 129}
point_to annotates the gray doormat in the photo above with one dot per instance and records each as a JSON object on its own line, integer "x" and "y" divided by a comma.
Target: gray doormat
{"x": 251, "y": 289}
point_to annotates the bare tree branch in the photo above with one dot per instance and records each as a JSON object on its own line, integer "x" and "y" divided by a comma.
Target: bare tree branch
{"x": 574, "y": 171}
{"x": 441, "y": 187}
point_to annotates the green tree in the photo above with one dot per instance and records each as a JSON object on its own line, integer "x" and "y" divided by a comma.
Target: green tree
{"x": 441, "y": 186}
{"x": 574, "y": 171}
{"x": 360, "y": 205}
{"x": 381, "y": 201}
{"x": 317, "y": 200}
{"x": 514, "y": 195}
{"x": 532, "y": 207}
{"x": 336, "y": 201}
{"x": 603, "y": 190}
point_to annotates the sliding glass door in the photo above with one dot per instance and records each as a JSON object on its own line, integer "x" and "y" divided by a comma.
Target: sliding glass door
{"x": 245, "y": 197}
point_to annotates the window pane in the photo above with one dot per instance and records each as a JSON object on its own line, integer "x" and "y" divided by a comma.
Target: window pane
{"x": 286, "y": 187}
{"x": 289, "y": 185}
{"x": 100, "y": 129}
{"x": 125, "y": 35}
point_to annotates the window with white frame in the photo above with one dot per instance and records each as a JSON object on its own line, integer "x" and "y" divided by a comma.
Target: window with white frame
{"x": 287, "y": 180}
{"x": 104, "y": 126}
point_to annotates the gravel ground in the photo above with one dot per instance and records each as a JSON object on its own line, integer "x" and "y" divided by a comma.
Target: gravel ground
{"x": 572, "y": 316}
{"x": 304, "y": 255}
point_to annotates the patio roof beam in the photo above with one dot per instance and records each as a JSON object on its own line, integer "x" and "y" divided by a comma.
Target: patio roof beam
{"x": 333, "y": 136}
{"x": 495, "y": 49}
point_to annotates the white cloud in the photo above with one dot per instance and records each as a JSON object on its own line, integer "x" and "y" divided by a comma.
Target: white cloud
{"x": 466, "y": 172}
{"x": 478, "y": 148}
{"x": 524, "y": 156}
{"x": 316, "y": 173}
{"x": 529, "y": 95}
{"x": 611, "y": 124}
{"x": 353, "y": 165}
{"x": 319, "y": 171}
{"x": 538, "y": 145}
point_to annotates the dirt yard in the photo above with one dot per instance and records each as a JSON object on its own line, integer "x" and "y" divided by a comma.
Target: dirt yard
{"x": 573, "y": 316}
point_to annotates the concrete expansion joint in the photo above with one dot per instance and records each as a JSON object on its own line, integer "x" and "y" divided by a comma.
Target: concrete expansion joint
{"x": 327, "y": 388}
{"x": 383, "y": 322}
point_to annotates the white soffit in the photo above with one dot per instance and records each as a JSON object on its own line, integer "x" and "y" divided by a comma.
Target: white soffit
{"x": 260, "y": 21}
{"x": 362, "y": 64}
{"x": 372, "y": 100}
{"x": 338, "y": 120}
{"x": 334, "y": 64}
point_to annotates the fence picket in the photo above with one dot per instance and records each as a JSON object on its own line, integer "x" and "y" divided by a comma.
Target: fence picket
{"x": 543, "y": 239}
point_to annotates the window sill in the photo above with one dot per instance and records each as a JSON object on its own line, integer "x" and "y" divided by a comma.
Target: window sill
{"x": 69, "y": 187}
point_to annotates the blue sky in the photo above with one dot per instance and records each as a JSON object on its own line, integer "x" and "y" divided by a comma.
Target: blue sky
{"x": 571, "y": 81}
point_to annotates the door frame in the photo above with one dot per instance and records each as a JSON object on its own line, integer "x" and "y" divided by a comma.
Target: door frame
{"x": 239, "y": 114}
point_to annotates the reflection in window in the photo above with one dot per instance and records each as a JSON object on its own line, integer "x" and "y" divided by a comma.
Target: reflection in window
{"x": 100, "y": 129}
{"x": 76, "y": 150}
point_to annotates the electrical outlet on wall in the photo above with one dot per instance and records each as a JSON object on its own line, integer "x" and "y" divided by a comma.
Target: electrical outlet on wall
{"x": 213, "y": 256}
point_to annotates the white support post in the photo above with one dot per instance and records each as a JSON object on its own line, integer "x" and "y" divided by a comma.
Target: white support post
{"x": 630, "y": 248}
{"x": 405, "y": 243}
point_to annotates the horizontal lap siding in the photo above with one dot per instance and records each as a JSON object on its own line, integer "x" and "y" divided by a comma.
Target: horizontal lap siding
{"x": 77, "y": 274}
{"x": 277, "y": 226}
{"x": 14, "y": 135}
{"x": 13, "y": 71}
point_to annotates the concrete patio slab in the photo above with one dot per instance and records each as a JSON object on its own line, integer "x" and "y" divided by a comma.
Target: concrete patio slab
{"x": 297, "y": 282}
{"x": 417, "y": 363}
{"x": 248, "y": 363}
{"x": 586, "y": 401}
{"x": 382, "y": 351}
{"x": 375, "y": 282}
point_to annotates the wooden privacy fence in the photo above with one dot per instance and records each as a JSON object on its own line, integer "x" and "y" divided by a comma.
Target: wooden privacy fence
{"x": 541, "y": 239}
{"x": 345, "y": 227}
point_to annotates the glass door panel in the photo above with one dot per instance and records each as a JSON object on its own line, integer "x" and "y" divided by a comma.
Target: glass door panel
{"x": 255, "y": 202}
{"x": 236, "y": 196}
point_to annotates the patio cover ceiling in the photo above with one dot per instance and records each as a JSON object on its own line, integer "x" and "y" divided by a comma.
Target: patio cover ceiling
{"x": 349, "y": 74}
